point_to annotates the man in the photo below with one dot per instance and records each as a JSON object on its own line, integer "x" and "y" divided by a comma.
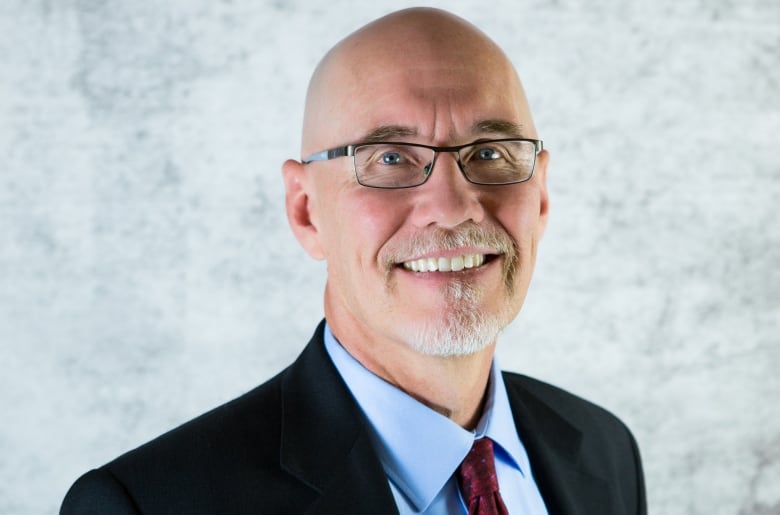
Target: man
{"x": 423, "y": 188}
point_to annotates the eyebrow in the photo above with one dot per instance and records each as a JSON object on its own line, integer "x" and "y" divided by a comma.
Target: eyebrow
{"x": 490, "y": 126}
{"x": 387, "y": 133}
{"x": 497, "y": 126}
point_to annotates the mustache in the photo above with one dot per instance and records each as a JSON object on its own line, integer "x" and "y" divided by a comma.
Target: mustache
{"x": 467, "y": 234}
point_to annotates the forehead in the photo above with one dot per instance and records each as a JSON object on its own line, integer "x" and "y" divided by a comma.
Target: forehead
{"x": 435, "y": 75}
{"x": 439, "y": 98}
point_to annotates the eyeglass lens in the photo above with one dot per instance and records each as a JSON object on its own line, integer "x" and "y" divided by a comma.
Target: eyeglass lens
{"x": 393, "y": 165}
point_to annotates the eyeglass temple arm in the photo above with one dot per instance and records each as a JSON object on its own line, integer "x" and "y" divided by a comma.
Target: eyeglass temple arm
{"x": 332, "y": 153}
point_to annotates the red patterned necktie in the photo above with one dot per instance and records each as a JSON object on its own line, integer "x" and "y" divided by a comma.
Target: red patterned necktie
{"x": 477, "y": 480}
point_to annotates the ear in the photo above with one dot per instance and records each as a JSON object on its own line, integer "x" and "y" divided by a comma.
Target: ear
{"x": 299, "y": 208}
{"x": 540, "y": 172}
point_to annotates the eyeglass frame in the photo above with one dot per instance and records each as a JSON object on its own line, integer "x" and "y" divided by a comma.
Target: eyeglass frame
{"x": 349, "y": 151}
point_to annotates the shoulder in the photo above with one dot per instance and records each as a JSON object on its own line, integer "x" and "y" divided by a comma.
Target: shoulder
{"x": 583, "y": 455}
{"x": 217, "y": 434}
{"x": 548, "y": 399}
{"x": 96, "y": 492}
{"x": 206, "y": 464}
{"x": 589, "y": 434}
{"x": 226, "y": 425}
{"x": 228, "y": 460}
{"x": 599, "y": 435}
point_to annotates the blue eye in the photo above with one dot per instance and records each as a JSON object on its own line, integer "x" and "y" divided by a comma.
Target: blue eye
{"x": 487, "y": 154}
{"x": 390, "y": 158}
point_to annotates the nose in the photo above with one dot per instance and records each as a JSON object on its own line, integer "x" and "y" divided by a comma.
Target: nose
{"x": 447, "y": 199}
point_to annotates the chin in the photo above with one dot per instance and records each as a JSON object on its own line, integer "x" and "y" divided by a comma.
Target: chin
{"x": 461, "y": 332}
{"x": 448, "y": 342}
{"x": 464, "y": 327}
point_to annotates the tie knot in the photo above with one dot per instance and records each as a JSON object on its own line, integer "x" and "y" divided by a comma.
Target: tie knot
{"x": 477, "y": 472}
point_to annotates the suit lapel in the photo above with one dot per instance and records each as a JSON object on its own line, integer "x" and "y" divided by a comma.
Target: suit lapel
{"x": 324, "y": 442}
{"x": 358, "y": 488}
{"x": 553, "y": 447}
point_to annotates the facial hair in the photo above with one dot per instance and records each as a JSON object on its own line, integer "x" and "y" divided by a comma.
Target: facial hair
{"x": 464, "y": 329}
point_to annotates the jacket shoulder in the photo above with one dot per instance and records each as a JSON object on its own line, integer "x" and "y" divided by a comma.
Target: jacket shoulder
{"x": 565, "y": 428}
{"x": 220, "y": 462}
{"x": 579, "y": 412}
{"x": 221, "y": 433}
{"x": 97, "y": 492}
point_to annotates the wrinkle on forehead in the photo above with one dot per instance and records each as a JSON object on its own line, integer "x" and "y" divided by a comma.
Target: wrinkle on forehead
{"x": 481, "y": 128}
{"x": 420, "y": 42}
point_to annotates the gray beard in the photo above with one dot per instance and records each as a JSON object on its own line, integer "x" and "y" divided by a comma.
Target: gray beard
{"x": 464, "y": 330}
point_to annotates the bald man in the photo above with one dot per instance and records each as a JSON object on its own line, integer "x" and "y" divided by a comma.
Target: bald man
{"x": 422, "y": 186}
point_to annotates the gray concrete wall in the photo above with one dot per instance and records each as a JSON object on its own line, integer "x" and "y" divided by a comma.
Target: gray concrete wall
{"x": 147, "y": 272}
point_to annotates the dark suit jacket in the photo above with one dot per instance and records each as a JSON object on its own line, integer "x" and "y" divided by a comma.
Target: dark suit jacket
{"x": 299, "y": 444}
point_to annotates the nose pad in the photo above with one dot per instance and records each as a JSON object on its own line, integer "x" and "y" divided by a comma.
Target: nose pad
{"x": 428, "y": 169}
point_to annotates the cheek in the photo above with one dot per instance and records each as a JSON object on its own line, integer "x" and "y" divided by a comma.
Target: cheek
{"x": 520, "y": 217}
{"x": 363, "y": 221}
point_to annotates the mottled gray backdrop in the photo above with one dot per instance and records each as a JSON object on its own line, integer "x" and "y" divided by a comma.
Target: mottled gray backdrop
{"x": 147, "y": 272}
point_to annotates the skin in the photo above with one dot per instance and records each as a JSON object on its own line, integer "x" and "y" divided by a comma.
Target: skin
{"x": 425, "y": 76}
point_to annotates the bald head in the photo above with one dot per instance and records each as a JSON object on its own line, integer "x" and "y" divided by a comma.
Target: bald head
{"x": 415, "y": 59}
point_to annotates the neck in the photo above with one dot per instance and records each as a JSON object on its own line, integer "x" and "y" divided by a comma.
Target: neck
{"x": 453, "y": 386}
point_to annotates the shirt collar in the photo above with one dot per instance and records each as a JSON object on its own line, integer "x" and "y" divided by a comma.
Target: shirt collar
{"x": 418, "y": 447}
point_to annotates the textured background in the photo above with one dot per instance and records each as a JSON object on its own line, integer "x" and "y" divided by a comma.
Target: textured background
{"x": 147, "y": 273}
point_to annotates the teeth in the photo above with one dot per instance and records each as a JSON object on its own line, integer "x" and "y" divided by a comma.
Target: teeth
{"x": 458, "y": 263}
{"x": 444, "y": 264}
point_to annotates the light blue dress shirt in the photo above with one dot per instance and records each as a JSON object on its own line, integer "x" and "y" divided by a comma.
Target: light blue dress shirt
{"x": 421, "y": 449}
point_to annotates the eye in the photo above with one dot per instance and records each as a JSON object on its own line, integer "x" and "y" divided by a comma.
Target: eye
{"x": 390, "y": 158}
{"x": 487, "y": 154}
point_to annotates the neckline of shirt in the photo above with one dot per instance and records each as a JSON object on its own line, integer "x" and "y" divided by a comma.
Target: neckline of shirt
{"x": 421, "y": 461}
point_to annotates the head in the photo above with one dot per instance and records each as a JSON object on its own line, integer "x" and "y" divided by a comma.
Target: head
{"x": 417, "y": 76}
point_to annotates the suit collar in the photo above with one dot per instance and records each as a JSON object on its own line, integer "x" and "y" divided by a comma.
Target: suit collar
{"x": 553, "y": 447}
{"x": 324, "y": 441}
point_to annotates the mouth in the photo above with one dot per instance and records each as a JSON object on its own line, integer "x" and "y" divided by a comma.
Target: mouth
{"x": 447, "y": 264}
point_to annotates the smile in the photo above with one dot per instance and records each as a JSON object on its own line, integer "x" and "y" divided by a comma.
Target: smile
{"x": 445, "y": 264}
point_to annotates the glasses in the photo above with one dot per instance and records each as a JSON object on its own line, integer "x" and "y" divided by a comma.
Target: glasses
{"x": 392, "y": 165}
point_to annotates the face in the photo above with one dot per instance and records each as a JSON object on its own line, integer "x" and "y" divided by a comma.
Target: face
{"x": 380, "y": 245}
